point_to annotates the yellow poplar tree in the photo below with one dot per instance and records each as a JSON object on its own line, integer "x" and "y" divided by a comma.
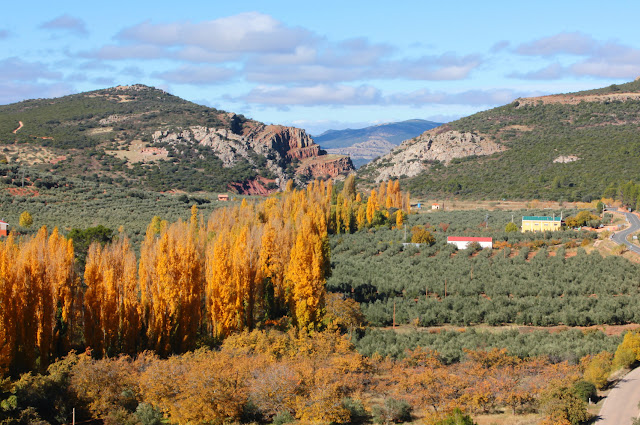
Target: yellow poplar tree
{"x": 273, "y": 258}
{"x": 361, "y": 216}
{"x": 372, "y": 206}
{"x": 306, "y": 272}
{"x": 37, "y": 292}
{"x": 171, "y": 288}
{"x": 218, "y": 290}
{"x": 112, "y": 322}
{"x": 11, "y": 304}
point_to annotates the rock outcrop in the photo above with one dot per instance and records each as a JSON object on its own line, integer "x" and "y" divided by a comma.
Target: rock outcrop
{"x": 326, "y": 166}
{"x": 280, "y": 146}
{"x": 414, "y": 156}
{"x": 257, "y": 186}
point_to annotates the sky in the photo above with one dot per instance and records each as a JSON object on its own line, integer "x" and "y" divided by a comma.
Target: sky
{"x": 330, "y": 65}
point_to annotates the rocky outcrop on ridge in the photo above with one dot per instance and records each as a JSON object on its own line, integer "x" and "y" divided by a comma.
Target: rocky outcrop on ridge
{"x": 442, "y": 144}
{"x": 280, "y": 146}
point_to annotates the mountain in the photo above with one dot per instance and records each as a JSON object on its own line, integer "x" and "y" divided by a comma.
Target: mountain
{"x": 139, "y": 136}
{"x": 365, "y": 144}
{"x": 574, "y": 146}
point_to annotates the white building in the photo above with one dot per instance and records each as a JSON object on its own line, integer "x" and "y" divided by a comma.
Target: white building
{"x": 462, "y": 242}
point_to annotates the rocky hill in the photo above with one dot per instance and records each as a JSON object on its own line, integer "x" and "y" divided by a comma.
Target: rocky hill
{"x": 145, "y": 137}
{"x": 573, "y": 146}
{"x": 365, "y": 144}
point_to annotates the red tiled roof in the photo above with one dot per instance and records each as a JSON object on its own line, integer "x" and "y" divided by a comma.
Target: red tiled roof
{"x": 467, "y": 239}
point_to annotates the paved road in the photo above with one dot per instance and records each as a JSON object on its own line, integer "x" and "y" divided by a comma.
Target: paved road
{"x": 621, "y": 405}
{"x": 621, "y": 236}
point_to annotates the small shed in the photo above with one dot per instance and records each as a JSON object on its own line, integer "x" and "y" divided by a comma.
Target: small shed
{"x": 4, "y": 228}
{"x": 463, "y": 242}
{"x": 435, "y": 206}
{"x": 223, "y": 197}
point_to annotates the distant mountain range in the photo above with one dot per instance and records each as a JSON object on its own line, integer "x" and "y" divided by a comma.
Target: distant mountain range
{"x": 572, "y": 147}
{"x": 365, "y": 144}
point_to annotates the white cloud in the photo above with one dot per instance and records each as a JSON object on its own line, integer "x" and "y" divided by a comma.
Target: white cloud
{"x": 19, "y": 70}
{"x": 448, "y": 66}
{"x": 550, "y": 72}
{"x": 500, "y": 46}
{"x": 197, "y": 75}
{"x": 138, "y": 51}
{"x": 606, "y": 69}
{"x": 572, "y": 43}
{"x": 600, "y": 59}
{"x": 356, "y": 52}
{"x": 245, "y": 32}
{"x": 343, "y": 95}
{"x": 306, "y": 74}
{"x": 469, "y": 97}
{"x": 104, "y": 81}
{"x": 433, "y": 68}
{"x": 132, "y": 71}
{"x": 66, "y": 23}
{"x": 201, "y": 55}
{"x": 12, "y": 91}
{"x": 270, "y": 52}
{"x": 77, "y": 77}
{"x": 313, "y": 95}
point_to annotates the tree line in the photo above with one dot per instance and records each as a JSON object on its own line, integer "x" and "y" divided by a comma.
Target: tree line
{"x": 196, "y": 282}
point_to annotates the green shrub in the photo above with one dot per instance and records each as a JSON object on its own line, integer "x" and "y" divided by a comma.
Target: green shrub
{"x": 148, "y": 415}
{"x": 456, "y": 418}
{"x": 283, "y": 418}
{"x": 393, "y": 411}
{"x": 511, "y": 227}
{"x": 585, "y": 390}
{"x": 357, "y": 412}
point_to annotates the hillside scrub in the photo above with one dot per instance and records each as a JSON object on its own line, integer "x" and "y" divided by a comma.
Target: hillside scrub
{"x": 260, "y": 376}
{"x": 601, "y": 135}
{"x": 142, "y": 137}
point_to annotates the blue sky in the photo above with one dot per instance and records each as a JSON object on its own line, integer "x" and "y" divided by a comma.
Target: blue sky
{"x": 335, "y": 64}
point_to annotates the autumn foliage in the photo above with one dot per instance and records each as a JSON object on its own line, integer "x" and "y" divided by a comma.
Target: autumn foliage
{"x": 196, "y": 280}
{"x": 111, "y": 304}
{"x": 38, "y": 300}
{"x": 309, "y": 375}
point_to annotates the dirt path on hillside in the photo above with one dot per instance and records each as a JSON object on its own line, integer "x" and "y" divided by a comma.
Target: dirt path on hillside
{"x": 19, "y": 127}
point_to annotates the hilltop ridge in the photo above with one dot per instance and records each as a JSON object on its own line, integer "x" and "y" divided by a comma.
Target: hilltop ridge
{"x": 570, "y": 147}
{"x": 140, "y": 135}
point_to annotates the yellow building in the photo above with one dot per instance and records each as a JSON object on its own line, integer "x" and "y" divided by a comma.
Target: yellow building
{"x": 540, "y": 223}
